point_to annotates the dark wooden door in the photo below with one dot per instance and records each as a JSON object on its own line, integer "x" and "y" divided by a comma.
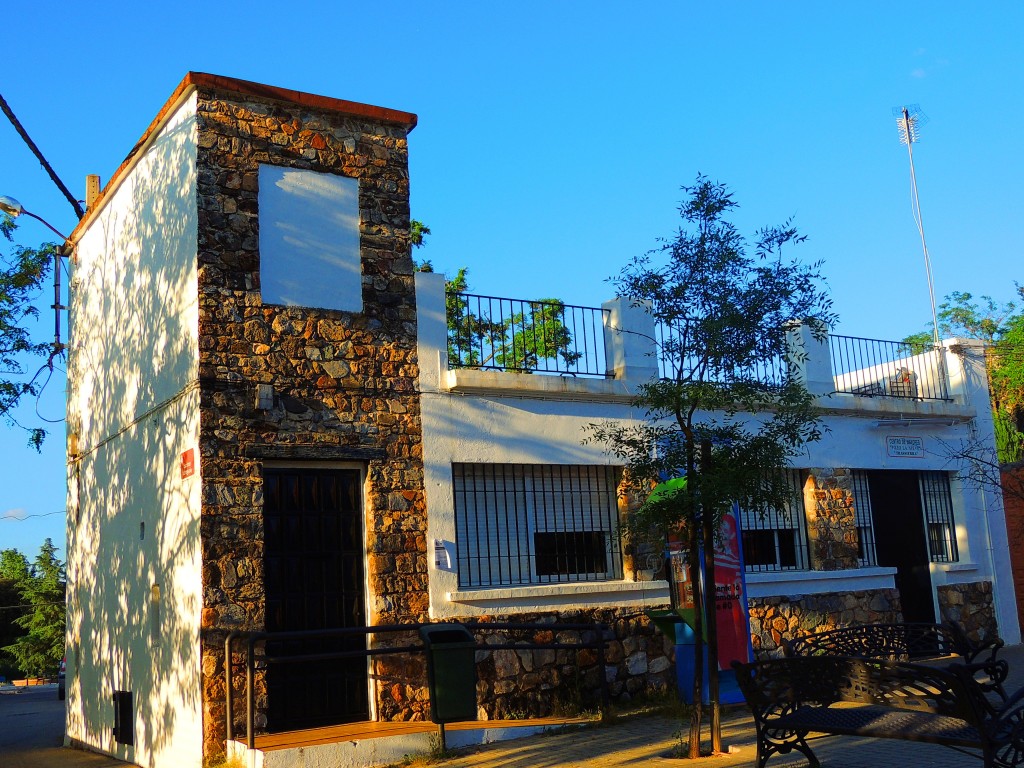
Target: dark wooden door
{"x": 900, "y": 539}
{"x": 313, "y": 576}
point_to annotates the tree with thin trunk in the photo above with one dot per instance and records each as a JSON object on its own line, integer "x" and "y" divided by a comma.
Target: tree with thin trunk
{"x": 730, "y": 411}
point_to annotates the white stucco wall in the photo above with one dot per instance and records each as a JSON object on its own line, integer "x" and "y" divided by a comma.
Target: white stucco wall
{"x": 525, "y": 426}
{"x": 481, "y": 416}
{"x": 133, "y": 411}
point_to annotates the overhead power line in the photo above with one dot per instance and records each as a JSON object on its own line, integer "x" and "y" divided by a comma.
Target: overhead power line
{"x": 26, "y": 517}
{"x": 79, "y": 211}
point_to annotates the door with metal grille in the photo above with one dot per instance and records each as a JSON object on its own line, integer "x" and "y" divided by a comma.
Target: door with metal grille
{"x": 900, "y": 540}
{"x": 313, "y": 576}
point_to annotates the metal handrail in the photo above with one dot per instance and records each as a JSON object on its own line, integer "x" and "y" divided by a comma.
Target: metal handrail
{"x": 876, "y": 367}
{"x": 253, "y": 637}
{"x": 525, "y": 336}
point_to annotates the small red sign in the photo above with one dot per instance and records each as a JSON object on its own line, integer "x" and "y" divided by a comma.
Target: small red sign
{"x": 188, "y": 463}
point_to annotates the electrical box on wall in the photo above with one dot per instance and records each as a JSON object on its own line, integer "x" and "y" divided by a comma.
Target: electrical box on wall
{"x": 124, "y": 718}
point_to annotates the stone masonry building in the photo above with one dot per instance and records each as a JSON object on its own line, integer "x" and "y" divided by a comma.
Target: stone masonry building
{"x": 267, "y": 431}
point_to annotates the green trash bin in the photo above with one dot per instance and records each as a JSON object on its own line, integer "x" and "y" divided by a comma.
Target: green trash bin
{"x": 451, "y": 672}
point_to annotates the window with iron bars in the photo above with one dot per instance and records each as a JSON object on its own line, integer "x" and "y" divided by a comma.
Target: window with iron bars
{"x": 776, "y": 539}
{"x": 937, "y": 501}
{"x": 866, "y": 554}
{"x": 535, "y": 524}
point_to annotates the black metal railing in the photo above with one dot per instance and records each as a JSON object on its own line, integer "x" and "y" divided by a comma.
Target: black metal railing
{"x": 591, "y": 637}
{"x": 543, "y": 336}
{"x": 771, "y": 369}
{"x": 873, "y": 368}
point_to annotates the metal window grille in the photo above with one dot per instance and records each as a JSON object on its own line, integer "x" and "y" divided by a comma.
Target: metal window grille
{"x": 776, "y": 539}
{"x": 937, "y": 502}
{"x": 866, "y": 554}
{"x": 535, "y": 524}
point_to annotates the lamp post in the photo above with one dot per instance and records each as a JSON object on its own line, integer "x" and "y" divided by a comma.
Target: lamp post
{"x": 13, "y": 208}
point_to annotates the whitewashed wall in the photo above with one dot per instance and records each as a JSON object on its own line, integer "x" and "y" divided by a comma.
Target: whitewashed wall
{"x": 493, "y": 417}
{"x": 133, "y": 411}
{"x": 525, "y": 425}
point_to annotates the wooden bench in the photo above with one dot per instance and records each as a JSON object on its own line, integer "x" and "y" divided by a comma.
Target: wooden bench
{"x": 833, "y": 695}
{"x": 932, "y": 643}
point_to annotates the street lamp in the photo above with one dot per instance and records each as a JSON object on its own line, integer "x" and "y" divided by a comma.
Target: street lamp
{"x": 13, "y": 208}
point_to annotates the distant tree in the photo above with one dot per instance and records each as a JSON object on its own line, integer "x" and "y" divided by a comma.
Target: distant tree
{"x": 715, "y": 418}
{"x": 480, "y": 336}
{"x": 13, "y": 566}
{"x": 40, "y": 647}
{"x": 14, "y": 571}
{"x": 1001, "y": 327}
{"x": 518, "y": 341}
{"x": 22, "y": 271}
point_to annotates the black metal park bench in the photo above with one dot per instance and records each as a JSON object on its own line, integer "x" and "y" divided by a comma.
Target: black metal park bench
{"x": 934, "y": 644}
{"x": 791, "y": 698}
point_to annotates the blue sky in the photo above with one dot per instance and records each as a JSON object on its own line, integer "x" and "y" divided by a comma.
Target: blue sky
{"x": 554, "y": 137}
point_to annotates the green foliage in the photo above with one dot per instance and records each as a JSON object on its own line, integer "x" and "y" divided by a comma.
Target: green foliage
{"x": 716, "y": 418}
{"x": 1001, "y": 327}
{"x": 14, "y": 570}
{"x": 517, "y": 342}
{"x": 959, "y": 316}
{"x": 727, "y": 312}
{"x": 22, "y": 272}
{"x": 38, "y": 649}
{"x": 417, "y": 232}
{"x": 1006, "y": 381}
{"x": 920, "y": 342}
{"x": 14, "y": 566}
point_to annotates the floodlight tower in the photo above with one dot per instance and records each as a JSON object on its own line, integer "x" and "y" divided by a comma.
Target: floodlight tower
{"x": 909, "y": 120}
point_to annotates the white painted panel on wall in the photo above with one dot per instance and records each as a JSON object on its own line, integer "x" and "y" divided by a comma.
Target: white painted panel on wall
{"x": 309, "y": 239}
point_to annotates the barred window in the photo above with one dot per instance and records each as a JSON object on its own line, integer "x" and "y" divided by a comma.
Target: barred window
{"x": 776, "y": 539}
{"x": 866, "y": 554}
{"x": 535, "y": 524}
{"x": 937, "y": 502}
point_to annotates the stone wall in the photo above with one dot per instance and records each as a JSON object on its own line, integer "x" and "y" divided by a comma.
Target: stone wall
{"x": 831, "y": 521}
{"x": 774, "y": 619}
{"x": 970, "y": 606}
{"x": 528, "y": 682}
{"x": 343, "y": 384}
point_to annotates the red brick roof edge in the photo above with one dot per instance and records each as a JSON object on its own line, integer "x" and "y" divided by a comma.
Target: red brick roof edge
{"x": 245, "y": 88}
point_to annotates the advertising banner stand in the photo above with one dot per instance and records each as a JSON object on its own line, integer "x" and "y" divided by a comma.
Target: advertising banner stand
{"x": 730, "y": 607}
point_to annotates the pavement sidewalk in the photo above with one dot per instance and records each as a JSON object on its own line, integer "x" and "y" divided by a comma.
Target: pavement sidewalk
{"x": 638, "y": 740}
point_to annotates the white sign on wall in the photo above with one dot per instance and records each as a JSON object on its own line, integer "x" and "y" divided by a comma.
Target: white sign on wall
{"x": 904, "y": 447}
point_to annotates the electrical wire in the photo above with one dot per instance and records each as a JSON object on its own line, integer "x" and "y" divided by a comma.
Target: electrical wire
{"x": 26, "y": 517}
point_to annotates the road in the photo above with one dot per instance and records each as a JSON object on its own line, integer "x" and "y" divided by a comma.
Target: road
{"x": 32, "y": 732}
